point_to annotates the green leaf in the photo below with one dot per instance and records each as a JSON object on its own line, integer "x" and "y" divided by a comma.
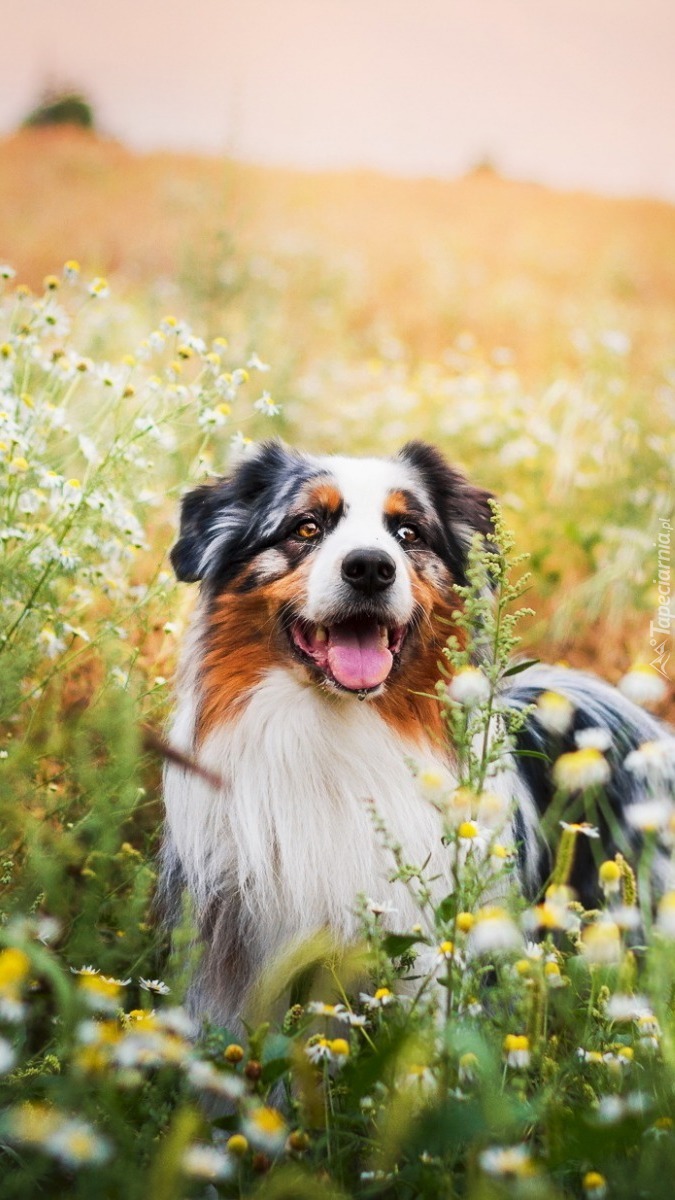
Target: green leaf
{"x": 396, "y": 944}
{"x": 521, "y": 666}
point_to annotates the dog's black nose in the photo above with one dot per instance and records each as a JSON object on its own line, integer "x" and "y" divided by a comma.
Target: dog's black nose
{"x": 369, "y": 571}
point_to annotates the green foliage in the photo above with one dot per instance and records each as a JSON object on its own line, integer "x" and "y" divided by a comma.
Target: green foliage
{"x": 61, "y": 108}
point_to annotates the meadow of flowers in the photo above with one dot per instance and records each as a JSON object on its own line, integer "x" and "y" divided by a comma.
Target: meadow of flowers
{"x": 496, "y": 1048}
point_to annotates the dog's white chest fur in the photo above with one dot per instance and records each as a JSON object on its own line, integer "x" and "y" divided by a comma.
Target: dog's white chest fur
{"x": 291, "y": 833}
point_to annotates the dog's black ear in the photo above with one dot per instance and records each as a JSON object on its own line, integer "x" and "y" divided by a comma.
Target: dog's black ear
{"x": 222, "y": 522}
{"x": 461, "y": 507}
{"x": 198, "y": 511}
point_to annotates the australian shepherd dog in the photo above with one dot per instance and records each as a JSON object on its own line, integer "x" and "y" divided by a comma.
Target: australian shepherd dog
{"x": 305, "y": 692}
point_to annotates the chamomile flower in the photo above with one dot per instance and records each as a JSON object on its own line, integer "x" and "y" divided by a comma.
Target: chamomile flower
{"x": 665, "y": 915}
{"x": 468, "y": 1068}
{"x": 15, "y": 967}
{"x": 601, "y": 943}
{"x": 554, "y": 712}
{"x": 594, "y": 1185}
{"x": 459, "y": 806}
{"x": 340, "y": 1051}
{"x": 156, "y": 986}
{"x": 653, "y": 762}
{"x": 318, "y": 1049}
{"x": 517, "y": 1051}
{"x": 50, "y": 644}
{"x": 7, "y": 1056}
{"x": 469, "y": 687}
{"x": 583, "y": 827}
{"x": 338, "y": 1012}
{"x": 380, "y": 908}
{"x": 382, "y": 998}
{"x": 255, "y": 364}
{"x": 593, "y": 738}
{"x": 206, "y": 1162}
{"x": 649, "y": 1031}
{"x": 507, "y": 1162}
{"x": 99, "y": 288}
{"x": 205, "y": 1077}
{"x": 320, "y": 1009}
{"x": 76, "y": 1143}
{"x": 622, "y": 1007}
{"x": 643, "y": 685}
{"x": 267, "y": 406}
{"x": 581, "y": 769}
{"x": 650, "y": 816}
{"x": 609, "y": 874}
{"x": 101, "y": 994}
{"x": 493, "y": 932}
{"x": 447, "y": 952}
{"x": 420, "y": 1077}
{"x": 553, "y": 975}
{"x": 265, "y": 1128}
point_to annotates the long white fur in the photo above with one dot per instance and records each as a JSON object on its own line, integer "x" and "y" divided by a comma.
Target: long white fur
{"x": 291, "y": 831}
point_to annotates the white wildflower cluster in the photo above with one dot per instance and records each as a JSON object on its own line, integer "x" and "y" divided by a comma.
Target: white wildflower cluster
{"x": 85, "y": 451}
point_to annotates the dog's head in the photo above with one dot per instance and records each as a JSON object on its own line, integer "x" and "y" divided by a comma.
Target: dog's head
{"x": 336, "y": 564}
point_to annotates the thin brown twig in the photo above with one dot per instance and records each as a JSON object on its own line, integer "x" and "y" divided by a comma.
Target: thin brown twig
{"x": 156, "y": 744}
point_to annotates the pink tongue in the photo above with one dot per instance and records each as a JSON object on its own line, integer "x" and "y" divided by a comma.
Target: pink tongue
{"x": 357, "y": 656}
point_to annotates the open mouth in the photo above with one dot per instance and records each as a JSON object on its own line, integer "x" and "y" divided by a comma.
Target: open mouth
{"x": 357, "y": 654}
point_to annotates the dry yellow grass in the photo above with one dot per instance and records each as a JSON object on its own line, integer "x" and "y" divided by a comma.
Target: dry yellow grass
{"x": 517, "y": 263}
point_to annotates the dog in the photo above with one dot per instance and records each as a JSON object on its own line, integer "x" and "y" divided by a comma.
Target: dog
{"x": 306, "y": 689}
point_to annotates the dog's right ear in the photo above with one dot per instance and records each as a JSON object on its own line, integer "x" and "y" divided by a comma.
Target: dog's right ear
{"x": 199, "y": 512}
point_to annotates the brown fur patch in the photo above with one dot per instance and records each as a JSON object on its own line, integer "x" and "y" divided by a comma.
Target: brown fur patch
{"x": 242, "y": 643}
{"x": 323, "y": 497}
{"x": 397, "y": 505}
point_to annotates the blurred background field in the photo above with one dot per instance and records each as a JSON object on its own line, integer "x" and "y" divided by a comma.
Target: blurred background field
{"x": 526, "y": 331}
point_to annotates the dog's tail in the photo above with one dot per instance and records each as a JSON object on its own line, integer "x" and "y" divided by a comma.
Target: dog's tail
{"x": 648, "y": 775}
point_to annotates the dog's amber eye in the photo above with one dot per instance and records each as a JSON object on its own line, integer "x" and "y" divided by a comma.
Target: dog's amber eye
{"x": 407, "y": 533}
{"x": 307, "y": 530}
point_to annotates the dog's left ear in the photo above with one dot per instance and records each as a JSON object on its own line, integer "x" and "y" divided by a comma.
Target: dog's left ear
{"x": 461, "y": 507}
{"x": 197, "y": 512}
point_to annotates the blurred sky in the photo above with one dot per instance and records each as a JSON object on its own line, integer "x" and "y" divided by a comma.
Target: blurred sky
{"x": 576, "y": 93}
